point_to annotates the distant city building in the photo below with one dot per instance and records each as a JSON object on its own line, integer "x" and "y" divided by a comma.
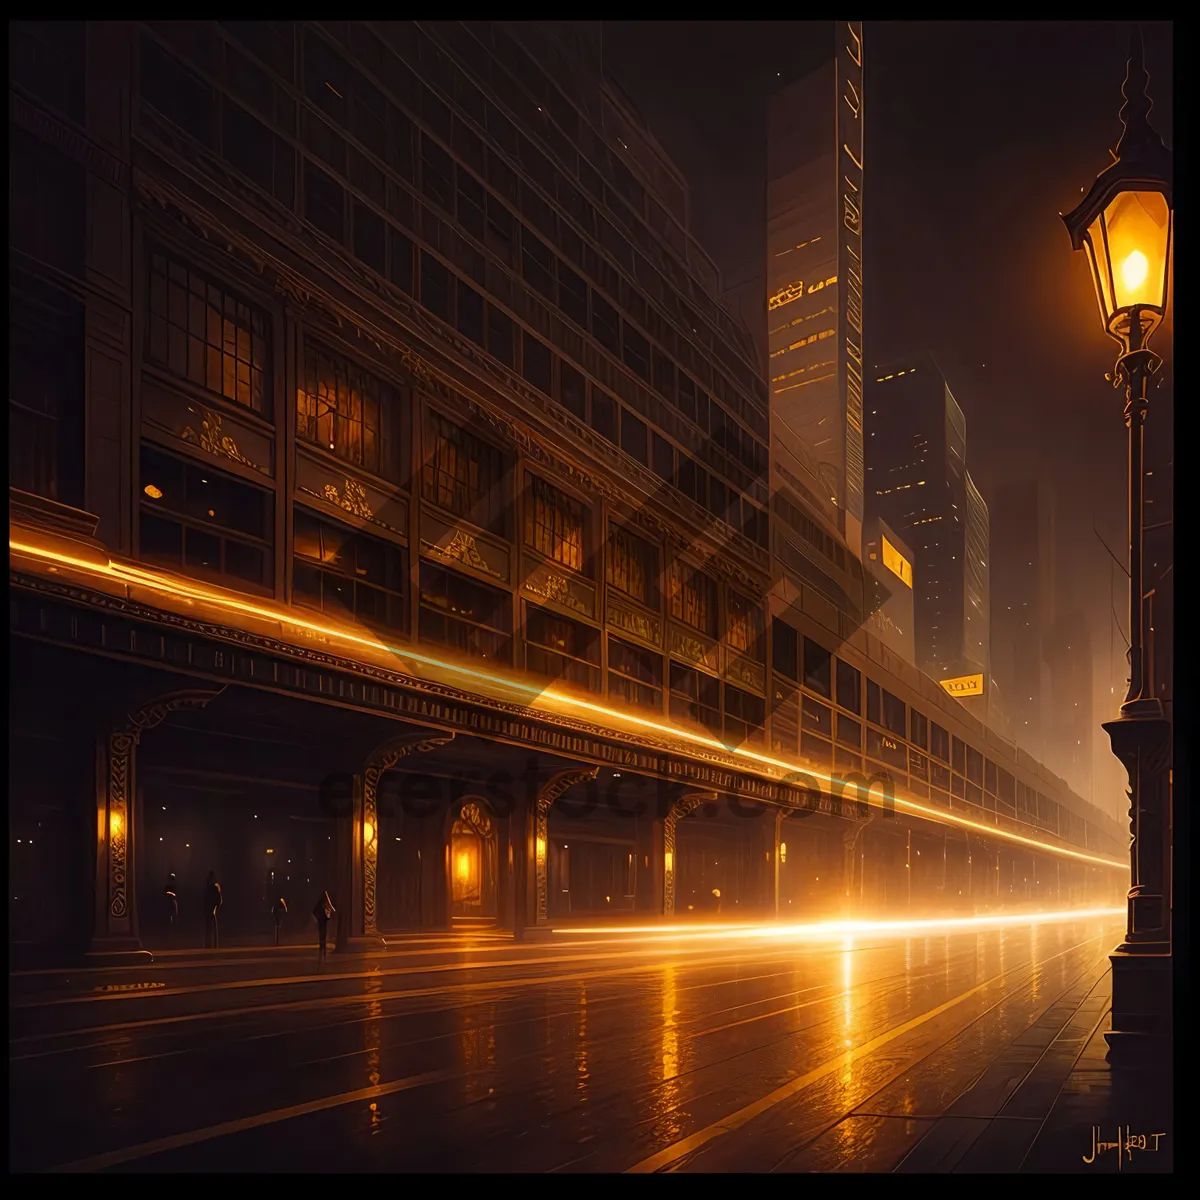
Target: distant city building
{"x": 889, "y": 567}
{"x": 1023, "y": 550}
{"x": 1070, "y": 728}
{"x": 917, "y": 481}
{"x": 814, "y": 277}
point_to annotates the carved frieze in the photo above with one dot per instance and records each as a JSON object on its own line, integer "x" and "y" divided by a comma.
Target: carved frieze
{"x": 215, "y": 434}
{"x": 462, "y": 548}
{"x": 628, "y": 619}
{"x": 324, "y": 485}
{"x": 693, "y": 647}
{"x": 557, "y": 587}
{"x": 745, "y": 673}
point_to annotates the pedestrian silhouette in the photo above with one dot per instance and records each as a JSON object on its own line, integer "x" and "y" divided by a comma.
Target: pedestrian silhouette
{"x": 323, "y": 910}
{"x": 171, "y": 906}
{"x": 212, "y": 903}
{"x": 278, "y": 912}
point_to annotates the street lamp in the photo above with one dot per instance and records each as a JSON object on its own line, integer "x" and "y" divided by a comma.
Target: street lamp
{"x": 1124, "y": 224}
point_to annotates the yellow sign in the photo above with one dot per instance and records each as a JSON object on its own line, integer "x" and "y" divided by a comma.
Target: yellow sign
{"x": 968, "y": 685}
{"x": 897, "y": 563}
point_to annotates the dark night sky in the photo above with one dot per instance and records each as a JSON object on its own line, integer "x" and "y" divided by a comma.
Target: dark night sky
{"x": 977, "y": 136}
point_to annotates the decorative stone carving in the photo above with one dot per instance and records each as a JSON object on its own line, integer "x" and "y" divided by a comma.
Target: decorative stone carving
{"x": 380, "y": 761}
{"x": 548, "y": 793}
{"x": 352, "y": 498}
{"x": 122, "y": 744}
{"x": 683, "y": 807}
{"x": 214, "y": 440}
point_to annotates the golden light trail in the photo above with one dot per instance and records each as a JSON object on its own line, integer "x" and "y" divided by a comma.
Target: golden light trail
{"x": 842, "y": 929}
{"x": 536, "y": 696}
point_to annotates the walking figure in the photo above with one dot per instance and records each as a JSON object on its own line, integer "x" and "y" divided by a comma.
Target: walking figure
{"x": 212, "y": 902}
{"x": 171, "y": 903}
{"x": 323, "y": 910}
{"x": 278, "y": 912}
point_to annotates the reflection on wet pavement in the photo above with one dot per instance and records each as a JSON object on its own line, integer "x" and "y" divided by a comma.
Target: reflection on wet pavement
{"x": 577, "y": 1055}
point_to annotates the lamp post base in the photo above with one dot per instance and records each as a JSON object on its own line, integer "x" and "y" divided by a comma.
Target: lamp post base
{"x": 1140, "y": 1038}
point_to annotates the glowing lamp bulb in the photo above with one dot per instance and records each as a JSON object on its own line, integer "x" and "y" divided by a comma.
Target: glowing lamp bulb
{"x": 1134, "y": 270}
{"x": 368, "y": 832}
{"x": 464, "y": 867}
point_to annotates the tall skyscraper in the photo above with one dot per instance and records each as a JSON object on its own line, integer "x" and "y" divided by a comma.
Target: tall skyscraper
{"x": 888, "y": 564}
{"x": 814, "y": 276}
{"x": 1023, "y": 549}
{"x": 917, "y": 481}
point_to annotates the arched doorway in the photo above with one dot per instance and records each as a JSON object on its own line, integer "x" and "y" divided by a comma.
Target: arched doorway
{"x": 473, "y": 866}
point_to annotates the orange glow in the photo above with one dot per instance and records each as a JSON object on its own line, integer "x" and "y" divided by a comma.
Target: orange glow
{"x": 368, "y": 833}
{"x": 153, "y": 492}
{"x": 844, "y": 929}
{"x": 115, "y": 824}
{"x": 463, "y": 867}
{"x": 533, "y": 695}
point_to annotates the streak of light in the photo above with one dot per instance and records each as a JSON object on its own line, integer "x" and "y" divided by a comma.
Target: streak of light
{"x": 534, "y": 695}
{"x": 842, "y": 929}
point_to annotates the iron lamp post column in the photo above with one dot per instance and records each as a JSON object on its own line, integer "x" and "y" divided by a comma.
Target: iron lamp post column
{"x": 1124, "y": 223}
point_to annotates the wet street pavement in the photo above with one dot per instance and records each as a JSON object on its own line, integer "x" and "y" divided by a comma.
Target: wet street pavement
{"x": 745, "y": 1051}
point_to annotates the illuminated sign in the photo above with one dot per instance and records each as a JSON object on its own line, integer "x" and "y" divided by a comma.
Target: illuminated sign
{"x": 897, "y": 563}
{"x": 967, "y": 685}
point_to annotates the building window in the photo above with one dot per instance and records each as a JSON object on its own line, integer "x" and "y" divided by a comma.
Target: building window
{"x": 746, "y": 628}
{"x": 572, "y": 390}
{"x": 572, "y": 295}
{"x": 437, "y": 174}
{"x": 554, "y": 523}
{"x": 693, "y": 597}
{"x": 346, "y": 573}
{"x": 462, "y": 474}
{"x": 989, "y": 776}
{"x": 537, "y": 265}
{"x": 561, "y": 649}
{"x": 785, "y": 723}
{"x": 849, "y": 687}
{"x": 633, "y": 436}
{"x": 663, "y": 461}
{"x": 470, "y": 313}
{"x": 501, "y": 341}
{"x": 687, "y": 397}
{"x": 606, "y": 328}
{"x": 695, "y": 697}
{"x": 785, "y": 649}
{"x": 203, "y": 333}
{"x": 958, "y": 758}
{"x": 745, "y": 716}
{"x": 939, "y": 742}
{"x": 604, "y": 415}
{"x": 46, "y": 431}
{"x": 324, "y": 202}
{"x": 874, "y": 703}
{"x": 636, "y": 352}
{"x": 817, "y": 717}
{"x": 664, "y": 375}
{"x": 349, "y": 412}
{"x": 402, "y": 261}
{"x": 895, "y": 716}
{"x": 535, "y": 362}
{"x": 465, "y": 615}
{"x": 918, "y": 728}
{"x": 818, "y": 665}
{"x": 204, "y": 522}
{"x": 634, "y": 675}
{"x": 435, "y": 287}
{"x": 974, "y": 770}
{"x": 632, "y": 566}
{"x": 849, "y": 731}
{"x": 370, "y": 238}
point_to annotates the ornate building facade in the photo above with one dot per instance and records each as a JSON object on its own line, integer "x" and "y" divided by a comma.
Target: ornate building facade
{"x": 390, "y": 513}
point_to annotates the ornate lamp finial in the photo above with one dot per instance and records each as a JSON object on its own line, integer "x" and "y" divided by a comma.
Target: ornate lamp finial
{"x": 1138, "y": 136}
